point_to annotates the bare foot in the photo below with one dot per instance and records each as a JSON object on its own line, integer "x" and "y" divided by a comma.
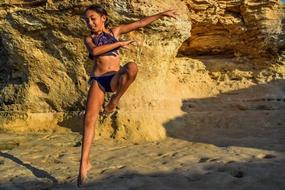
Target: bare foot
{"x": 111, "y": 105}
{"x": 82, "y": 177}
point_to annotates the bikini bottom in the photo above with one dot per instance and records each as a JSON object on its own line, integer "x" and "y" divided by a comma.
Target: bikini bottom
{"x": 103, "y": 81}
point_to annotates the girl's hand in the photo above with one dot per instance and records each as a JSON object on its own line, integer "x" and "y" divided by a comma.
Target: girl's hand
{"x": 124, "y": 44}
{"x": 170, "y": 13}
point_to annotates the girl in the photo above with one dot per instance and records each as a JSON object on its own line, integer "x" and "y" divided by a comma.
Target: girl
{"x": 107, "y": 74}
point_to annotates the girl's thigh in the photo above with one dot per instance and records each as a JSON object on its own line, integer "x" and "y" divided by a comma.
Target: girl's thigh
{"x": 95, "y": 98}
{"x": 115, "y": 80}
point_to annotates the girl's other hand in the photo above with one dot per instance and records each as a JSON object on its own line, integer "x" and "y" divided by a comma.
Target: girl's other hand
{"x": 170, "y": 13}
{"x": 125, "y": 44}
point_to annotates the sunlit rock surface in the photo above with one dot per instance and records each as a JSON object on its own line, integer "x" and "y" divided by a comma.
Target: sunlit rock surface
{"x": 213, "y": 50}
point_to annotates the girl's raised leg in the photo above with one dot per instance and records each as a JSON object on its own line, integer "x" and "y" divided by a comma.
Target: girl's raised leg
{"x": 95, "y": 100}
{"x": 120, "y": 83}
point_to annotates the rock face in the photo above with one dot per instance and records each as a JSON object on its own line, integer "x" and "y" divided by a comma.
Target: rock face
{"x": 214, "y": 47}
{"x": 251, "y": 28}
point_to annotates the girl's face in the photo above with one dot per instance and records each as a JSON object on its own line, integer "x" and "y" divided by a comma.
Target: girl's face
{"x": 94, "y": 21}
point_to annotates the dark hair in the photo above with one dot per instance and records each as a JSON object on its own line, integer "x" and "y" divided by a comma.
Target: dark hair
{"x": 100, "y": 10}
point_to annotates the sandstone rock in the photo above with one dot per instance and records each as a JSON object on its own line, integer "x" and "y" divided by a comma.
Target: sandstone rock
{"x": 252, "y": 28}
{"x": 44, "y": 66}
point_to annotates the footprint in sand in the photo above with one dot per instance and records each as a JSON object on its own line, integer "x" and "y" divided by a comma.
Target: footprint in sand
{"x": 112, "y": 167}
{"x": 230, "y": 162}
{"x": 265, "y": 156}
{"x": 206, "y": 159}
{"x": 194, "y": 177}
{"x": 159, "y": 154}
{"x": 165, "y": 162}
{"x": 77, "y": 144}
{"x": 60, "y": 156}
{"x": 232, "y": 170}
{"x": 237, "y": 173}
{"x": 162, "y": 155}
{"x": 203, "y": 159}
{"x": 175, "y": 154}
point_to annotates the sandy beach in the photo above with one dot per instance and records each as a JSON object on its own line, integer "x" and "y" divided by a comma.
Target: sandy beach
{"x": 215, "y": 159}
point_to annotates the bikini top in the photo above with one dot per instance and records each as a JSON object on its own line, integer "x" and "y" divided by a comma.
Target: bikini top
{"x": 102, "y": 39}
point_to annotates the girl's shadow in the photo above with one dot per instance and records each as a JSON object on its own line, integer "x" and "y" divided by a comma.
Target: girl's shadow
{"x": 37, "y": 172}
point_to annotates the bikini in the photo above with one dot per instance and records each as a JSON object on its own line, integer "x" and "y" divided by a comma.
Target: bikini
{"x": 102, "y": 39}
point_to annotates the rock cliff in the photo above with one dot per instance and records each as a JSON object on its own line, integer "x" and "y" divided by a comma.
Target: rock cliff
{"x": 213, "y": 48}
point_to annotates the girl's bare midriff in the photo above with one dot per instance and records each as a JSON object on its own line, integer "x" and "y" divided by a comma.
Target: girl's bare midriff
{"x": 105, "y": 65}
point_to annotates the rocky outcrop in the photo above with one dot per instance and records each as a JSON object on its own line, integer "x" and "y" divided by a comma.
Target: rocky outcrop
{"x": 251, "y": 28}
{"x": 44, "y": 66}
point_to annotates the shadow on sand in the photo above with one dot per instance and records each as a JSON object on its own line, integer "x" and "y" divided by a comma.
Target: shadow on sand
{"x": 36, "y": 172}
{"x": 252, "y": 117}
{"x": 262, "y": 175}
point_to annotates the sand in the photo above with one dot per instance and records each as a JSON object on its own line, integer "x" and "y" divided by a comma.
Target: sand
{"x": 208, "y": 159}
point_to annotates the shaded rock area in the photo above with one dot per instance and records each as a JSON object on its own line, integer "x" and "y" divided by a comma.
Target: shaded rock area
{"x": 214, "y": 49}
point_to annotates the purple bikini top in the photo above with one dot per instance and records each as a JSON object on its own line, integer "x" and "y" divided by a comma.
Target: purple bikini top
{"x": 102, "y": 39}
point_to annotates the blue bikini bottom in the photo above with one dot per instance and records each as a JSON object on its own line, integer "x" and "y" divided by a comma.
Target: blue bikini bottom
{"x": 103, "y": 81}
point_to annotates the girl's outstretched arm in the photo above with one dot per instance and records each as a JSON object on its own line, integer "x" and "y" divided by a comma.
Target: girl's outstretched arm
{"x": 125, "y": 28}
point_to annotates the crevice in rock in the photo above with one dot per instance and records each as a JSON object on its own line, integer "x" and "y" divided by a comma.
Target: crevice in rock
{"x": 43, "y": 87}
{"x": 114, "y": 124}
{"x": 26, "y": 3}
{"x": 13, "y": 74}
{"x": 4, "y": 69}
{"x": 183, "y": 51}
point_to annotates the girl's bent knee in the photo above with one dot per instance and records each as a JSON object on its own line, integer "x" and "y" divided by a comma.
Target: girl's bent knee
{"x": 132, "y": 69}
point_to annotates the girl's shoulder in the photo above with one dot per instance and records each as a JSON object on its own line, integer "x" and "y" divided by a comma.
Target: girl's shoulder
{"x": 87, "y": 37}
{"x": 89, "y": 41}
{"x": 115, "y": 32}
